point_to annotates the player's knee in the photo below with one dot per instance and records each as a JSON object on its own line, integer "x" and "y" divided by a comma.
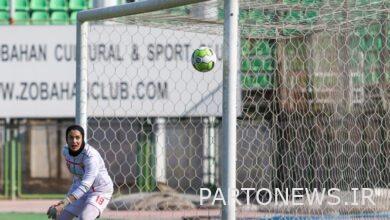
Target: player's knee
{"x": 90, "y": 212}
{"x": 65, "y": 215}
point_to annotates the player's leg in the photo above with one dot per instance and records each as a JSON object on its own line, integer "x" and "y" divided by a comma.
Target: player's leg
{"x": 65, "y": 215}
{"x": 74, "y": 209}
{"x": 95, "y": 201}
{"x": 89, "y": 212}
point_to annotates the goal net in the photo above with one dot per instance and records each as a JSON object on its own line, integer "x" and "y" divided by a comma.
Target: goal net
{"x": 312, "y": 109}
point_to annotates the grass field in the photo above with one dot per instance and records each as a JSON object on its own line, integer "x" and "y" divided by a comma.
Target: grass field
{"x": 21, "y": 216}
{"x": 24, "y": 216}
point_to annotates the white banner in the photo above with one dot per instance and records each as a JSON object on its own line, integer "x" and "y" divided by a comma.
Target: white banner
{"x": 133, "y": 72}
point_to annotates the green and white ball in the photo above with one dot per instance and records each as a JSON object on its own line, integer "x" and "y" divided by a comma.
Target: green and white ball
{"x": 203, "y": 59}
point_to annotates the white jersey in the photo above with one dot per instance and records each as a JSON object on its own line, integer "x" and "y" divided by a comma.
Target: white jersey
{"x": 89, "y": 172}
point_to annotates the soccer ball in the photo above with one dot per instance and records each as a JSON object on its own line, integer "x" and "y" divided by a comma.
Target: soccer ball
{"x": 203, "y": 59}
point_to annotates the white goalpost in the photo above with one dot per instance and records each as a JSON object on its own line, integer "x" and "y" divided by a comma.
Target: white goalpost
{"x": 292, "y": 121}
{"x": 230, "y": 70}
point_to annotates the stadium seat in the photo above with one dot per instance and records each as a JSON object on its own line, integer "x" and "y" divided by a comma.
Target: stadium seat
{"x": 73, "y": 17}
{"x": 374, "y": 28}
{"x": 267, "y": 31}
{"x": 245, "y": 47}
{"x": 378, "y": 43}
{"x": 363, "y": 2}
{"x": 39, "y": 5}
{"x": 75, "y": 5}
{"x": 59, "y": 18}
{"x": 291, "y": 2}
{"x": 22, "y": 5}
{"x": 257, "y": 16}
{"x": 336, "y": 3}
{"x": 221, "y": 13}
{"x": 262, "y": 48}
{"x": 4, "y": 5}
{"x": 268, "y": 65}
{"x": 269, "y": 1}
{"x": 362, "y": 31}
{"x": 40, "y": 18}
{"x": 4, "y": 17}
{"x": 245, "y": 65}
{"x": 311, "y": 3}
{"x": 256, "y": 65}
{"x": 291, "y": 17}
{"x": 21, "y": 18}
{"x": 311, "y": 16}
{"x": 58, "y": 5}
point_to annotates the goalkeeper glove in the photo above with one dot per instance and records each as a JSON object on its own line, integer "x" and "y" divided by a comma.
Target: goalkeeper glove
{"x": 52, "y": 212}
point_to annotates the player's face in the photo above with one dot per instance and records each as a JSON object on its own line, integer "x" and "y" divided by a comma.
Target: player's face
{"x": 74, "y": 140}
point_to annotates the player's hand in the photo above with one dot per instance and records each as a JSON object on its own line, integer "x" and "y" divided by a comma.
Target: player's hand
{"x": 52, "y": 212}
{"x": 59, "y": 207}
{"x": 55, "y": 209}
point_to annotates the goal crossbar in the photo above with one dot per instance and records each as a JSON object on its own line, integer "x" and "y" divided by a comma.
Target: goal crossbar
{"x": 131, "y": 9}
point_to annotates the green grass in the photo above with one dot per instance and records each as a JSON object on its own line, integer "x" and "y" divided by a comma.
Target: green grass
{"x": 22, "y": 216}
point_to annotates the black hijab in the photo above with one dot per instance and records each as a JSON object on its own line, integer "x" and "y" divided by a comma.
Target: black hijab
{"x": 81, "y": 130}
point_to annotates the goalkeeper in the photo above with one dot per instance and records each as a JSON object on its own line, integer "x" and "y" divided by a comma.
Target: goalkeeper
{"x": 92, "y": 187}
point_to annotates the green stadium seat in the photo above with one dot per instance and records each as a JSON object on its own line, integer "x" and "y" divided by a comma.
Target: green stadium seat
{"x": 38, "y": 5}
{"x": 4, "y": 5}
{"x": 291, "y": 17}
{"x": 245, "y": 47}
{"x": 353, "y": 41}
{"x": 258, "y": 81}
{"x": 257, "y": 16}
{"x": 268, "y": 2}
{"x": 308, "y": 2}
{"x": 362, "y": 2}
{"x": 40, "y": 18}
{"x": 77, "y": 5}
{"x": 262, "y": 48}
{"x": 73, "y": 17}
{"x": 388, "y": 38}
{"x": 268, "y": 65}
{"x": 374, "y": 28}
{"x": 59, "y": 18}
{"x": 256, "y": 65}
{"x": 221, "y": 13}
{"x": 336, "y": 3}
{"x": 58, "y": 5}
{"x": 22, "y": 5}
{"x": 268, "y": 32}
{"x": 311, "y": 16}
{"x": 4, "y": 17}
{"x": 21, "y": 18}
{"x": 245, "y": 65}
{"x": 378, "y": 43}
{"x": 362, "y": 31}
{"x": 315, "y": 3}
{"x": 290, "y": 2}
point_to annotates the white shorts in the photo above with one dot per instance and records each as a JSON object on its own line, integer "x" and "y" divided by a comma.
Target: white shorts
{"x": 98, "y": 199}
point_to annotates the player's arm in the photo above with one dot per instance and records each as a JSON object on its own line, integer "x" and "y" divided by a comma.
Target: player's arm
{"x": 91, "y": 171}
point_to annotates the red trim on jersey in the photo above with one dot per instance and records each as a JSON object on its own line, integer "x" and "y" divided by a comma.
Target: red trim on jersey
{"x": 73, "y": 162}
